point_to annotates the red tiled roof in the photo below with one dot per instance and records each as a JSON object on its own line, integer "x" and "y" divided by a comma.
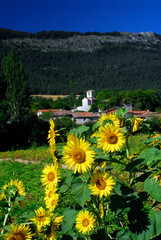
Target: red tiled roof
{"x": 47, "y": 110}
{"x": 84, "y": 114}
{"x": 134, "y": 112}
{"x": 60, "y": 112}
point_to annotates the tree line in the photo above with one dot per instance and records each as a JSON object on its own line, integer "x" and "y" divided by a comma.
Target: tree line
{"x": 10, "y": 34}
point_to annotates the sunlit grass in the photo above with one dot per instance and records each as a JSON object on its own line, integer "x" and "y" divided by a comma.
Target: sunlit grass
{"x": 32, "y": 154}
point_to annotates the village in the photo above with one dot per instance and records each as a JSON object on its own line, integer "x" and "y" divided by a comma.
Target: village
{"x": 82, "y": 114}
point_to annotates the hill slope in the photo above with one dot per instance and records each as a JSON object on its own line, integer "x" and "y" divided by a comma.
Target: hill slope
{"x": 63, "y": 62}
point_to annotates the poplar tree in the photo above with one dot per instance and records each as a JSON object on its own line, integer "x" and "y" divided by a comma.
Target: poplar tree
{"x": 16, "y": 90}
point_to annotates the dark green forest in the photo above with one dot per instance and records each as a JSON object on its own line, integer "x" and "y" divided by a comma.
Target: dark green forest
{"x": 129, "y": 66}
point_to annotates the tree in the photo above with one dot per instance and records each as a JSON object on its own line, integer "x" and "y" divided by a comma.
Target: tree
{"x": 16, "y": 90}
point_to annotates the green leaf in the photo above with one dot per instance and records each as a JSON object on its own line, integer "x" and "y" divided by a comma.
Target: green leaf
{"x": 69, "y": 220}
{"x": 153, "y": 229}
{"x": 95, "y": 126}
{"x": 20, "y": 198}
{"x": 152, "y": 187}
{"x": 78, "y": 131}
{"x": 63, "y": 188}
{"x": 69, "y": 178}
{"x": 28, "y": 215}
{"x": 123, "y": 235}
{"x": 152, "y": 139}
{"x": 82, "y": 129}
{"x": 151, "y": 155}
{"x": 121, "y": 112}
{"x": 81, "y": 191}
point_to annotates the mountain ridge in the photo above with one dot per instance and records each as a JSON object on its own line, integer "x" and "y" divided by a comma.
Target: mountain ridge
{"x": 86, "y": 43}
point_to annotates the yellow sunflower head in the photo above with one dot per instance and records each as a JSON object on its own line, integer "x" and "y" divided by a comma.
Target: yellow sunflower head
{"x": 49, "y": 192}
{"x": 110, "y": 138}
{"x": 78, "y": 154}
{"x": 14, "y": 186}
{"x": 42, "y": 218}
{"x": 52, "y": 202}
{"x": 156, "y": 143}
{"x": 158, "y": 178}
{"x": 108, "y": 119}
{"x": 94, "y": 135}
{"x": 137, "y": 123}
{"x": 19, "y": 186}
{"x": 51, "y": 231}
{"x": 55, "y": 160}
{"x": 85, "y": 222}
{"x": 52, "y": 133}
{"x": 101, "y": 210}
{"x": 17, "y": 232}
{"x": 50, "y": 176}
{"x": 101, "y": 185}
{"x": 72, "y": 137}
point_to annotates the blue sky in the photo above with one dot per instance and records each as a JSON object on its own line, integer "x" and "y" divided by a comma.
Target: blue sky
{"x": 81, "y": 15}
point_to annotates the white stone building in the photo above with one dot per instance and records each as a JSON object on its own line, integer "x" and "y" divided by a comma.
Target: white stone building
{"x": 87, "y": 101}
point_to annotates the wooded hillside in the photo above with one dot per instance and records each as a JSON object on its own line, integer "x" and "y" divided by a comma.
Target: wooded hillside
{"x": 60, "y": 62}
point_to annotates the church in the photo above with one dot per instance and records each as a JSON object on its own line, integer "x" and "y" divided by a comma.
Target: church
{"x": 87, "y": 101}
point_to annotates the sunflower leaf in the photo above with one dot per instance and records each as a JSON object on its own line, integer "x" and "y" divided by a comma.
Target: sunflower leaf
{"x": 81, "y": 191}
{"x": 153, "y": 188}
{"x": 66, "y": 224}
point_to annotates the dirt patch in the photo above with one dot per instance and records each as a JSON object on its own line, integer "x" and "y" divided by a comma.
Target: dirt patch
{"x": 27, "y": 161}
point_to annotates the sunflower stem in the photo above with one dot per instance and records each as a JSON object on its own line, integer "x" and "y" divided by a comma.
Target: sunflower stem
{"x": 7, "y": 214}
{"x": 104, "y": 214}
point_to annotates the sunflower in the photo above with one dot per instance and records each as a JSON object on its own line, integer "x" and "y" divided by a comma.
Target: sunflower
{"x": 56, "y": 161}
{"x": 78, "y": 153}
{"x": 94, "y": 135}
{"x": 49, "y": 192}
{"x": 110, "y": 138}
{"x": 137, "y": 123}
{"x": 101, "y": 210}
{"x": 109, "y": 119}
{"x": 85, "y": 222}
{"x": 51, "y": 232}
{"x": 101, "y": 185}
{"x": 14, "y": 186}
{"x": 17, "y": 232}
{"x": 158, "y": 178}
{"x": 50, "y": 176}
{"x": 51, "y": 136}
{"x": 156, "y": 143}
{"x": 19, "y": 186}
{"x": 52, "y": 133}
{"x": 72, "y": 137}
{"x": 52, "y": 202}
{"x": 42, "y": 218}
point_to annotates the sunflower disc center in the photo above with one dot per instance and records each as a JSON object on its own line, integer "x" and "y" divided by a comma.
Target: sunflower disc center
{"x": 85, "y": 222}
{"x": 112, "y": 139}
{"x": 51, "y": 176}
{"x": 18, "y": 236}
{"x": 41, "y": 218}
{"x": 101, "y": 184}
{"x": 79, "y": 156}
